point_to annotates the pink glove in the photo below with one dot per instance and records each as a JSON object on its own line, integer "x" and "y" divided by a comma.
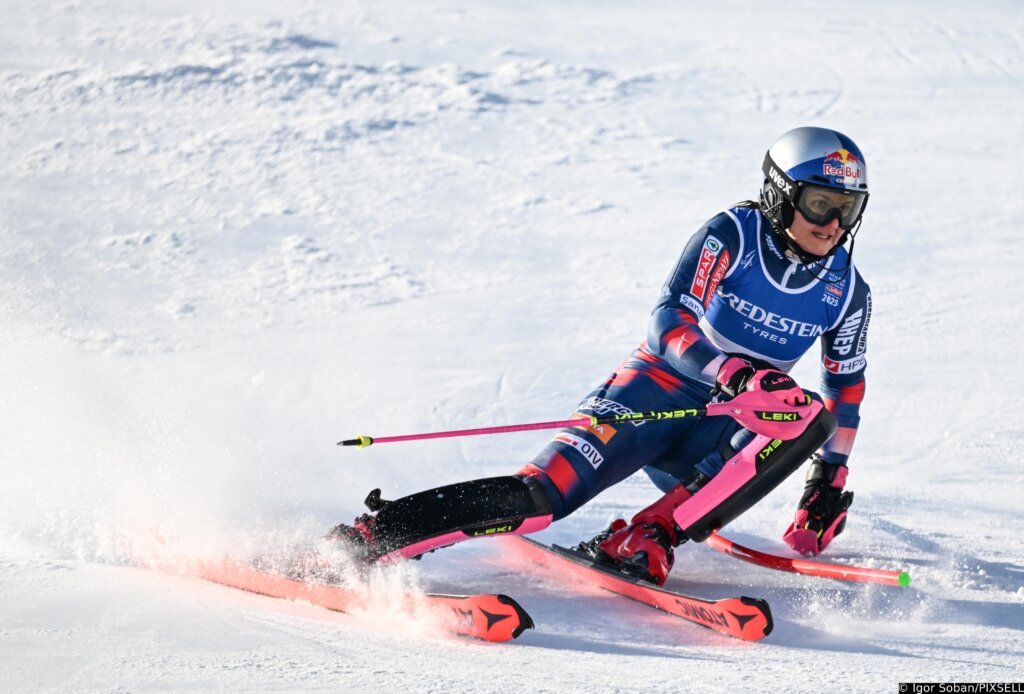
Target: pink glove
{"x": 738, "y": 375}
{"x": 821, "y": 514}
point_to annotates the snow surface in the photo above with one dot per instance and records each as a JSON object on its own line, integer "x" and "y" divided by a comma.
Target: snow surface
{"x": 235, "y": 233}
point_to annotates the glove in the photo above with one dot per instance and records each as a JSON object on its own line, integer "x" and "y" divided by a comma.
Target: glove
{"x": 738, "y": 375}
{"x": 733, "y": 376}
{"x": 821, "y": 514}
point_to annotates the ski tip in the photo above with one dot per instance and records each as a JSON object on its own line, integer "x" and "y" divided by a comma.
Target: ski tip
{"x": 525, "y": 620}
{"x": 904, "y": 579}
{"x": 766, "y": 610}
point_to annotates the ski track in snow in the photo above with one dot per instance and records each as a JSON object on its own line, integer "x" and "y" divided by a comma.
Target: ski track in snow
{"x": 233, "y": 235}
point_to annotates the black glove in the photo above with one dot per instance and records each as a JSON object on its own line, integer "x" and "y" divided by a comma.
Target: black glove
{"x": 737, "y": 375}
{"x": 733, "y": 376}
{"x": 821, "y": 513}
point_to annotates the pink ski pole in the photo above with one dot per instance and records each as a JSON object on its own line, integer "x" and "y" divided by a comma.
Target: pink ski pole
{"x": 577, "y": 421}
{"x": 806, "y": 567}
{"x": 758, "y": 411}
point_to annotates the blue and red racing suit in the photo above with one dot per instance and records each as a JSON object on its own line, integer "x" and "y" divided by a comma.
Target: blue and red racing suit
{"x": 733, "y": 292}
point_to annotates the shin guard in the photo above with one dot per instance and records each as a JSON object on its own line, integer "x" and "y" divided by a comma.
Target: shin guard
{"x": 422, "y": 522}
{"x": 749, "y": 475}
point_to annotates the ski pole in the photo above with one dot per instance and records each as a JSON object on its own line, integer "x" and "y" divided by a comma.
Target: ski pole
{"x": 806, "y": 567}
{"x": 758, "y": 411}
{"x": 578, "y": 420}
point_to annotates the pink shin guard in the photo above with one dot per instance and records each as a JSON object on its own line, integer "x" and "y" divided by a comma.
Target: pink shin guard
{"x": 752, "y": 473}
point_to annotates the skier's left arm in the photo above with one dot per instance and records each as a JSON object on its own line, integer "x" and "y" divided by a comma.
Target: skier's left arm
{"x": 821, "y": 513}
{"x": 843, "y": 363}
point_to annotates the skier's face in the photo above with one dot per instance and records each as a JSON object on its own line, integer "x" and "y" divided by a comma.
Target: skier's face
{"x": 817, "y": 239}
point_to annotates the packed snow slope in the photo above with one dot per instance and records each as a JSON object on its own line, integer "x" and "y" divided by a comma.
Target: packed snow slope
{"x": 233, "y": 233}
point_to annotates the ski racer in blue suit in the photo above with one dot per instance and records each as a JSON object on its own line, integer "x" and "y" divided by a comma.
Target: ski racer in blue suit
{"x": 754, "y": 289}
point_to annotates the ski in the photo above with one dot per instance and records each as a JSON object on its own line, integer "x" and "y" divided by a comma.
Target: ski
{"x": 486, "y": 617}
{"x": 749, "y": 619}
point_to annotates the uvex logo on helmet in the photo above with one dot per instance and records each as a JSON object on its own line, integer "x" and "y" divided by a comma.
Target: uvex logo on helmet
{"x": 779, "y": 180}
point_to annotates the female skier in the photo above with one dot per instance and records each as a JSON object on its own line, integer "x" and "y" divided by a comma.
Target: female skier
{"x": 753, "y": 290}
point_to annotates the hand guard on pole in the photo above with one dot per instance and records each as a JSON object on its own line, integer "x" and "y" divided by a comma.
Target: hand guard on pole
{"x": 765, "y": 401}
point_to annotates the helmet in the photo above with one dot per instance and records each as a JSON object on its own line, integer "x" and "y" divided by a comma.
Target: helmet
{"x": 820, "y": 172}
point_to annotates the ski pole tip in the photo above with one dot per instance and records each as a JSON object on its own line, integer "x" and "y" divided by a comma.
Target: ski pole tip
{"x": 358, "y": 442}
{"x": 904, "y": 579}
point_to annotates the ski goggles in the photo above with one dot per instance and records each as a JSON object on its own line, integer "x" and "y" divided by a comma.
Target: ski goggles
{"x": 821, "y": 205}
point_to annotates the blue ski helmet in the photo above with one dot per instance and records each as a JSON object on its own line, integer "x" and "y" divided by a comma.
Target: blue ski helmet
{"x": 806, "y": 159}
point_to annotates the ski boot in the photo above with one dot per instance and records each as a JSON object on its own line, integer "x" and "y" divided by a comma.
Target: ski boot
{"x": 644, "y": 548}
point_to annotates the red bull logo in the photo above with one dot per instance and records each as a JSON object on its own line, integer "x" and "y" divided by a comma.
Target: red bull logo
{"x": 844, "y": 155}
{"x": 844, "y": 164}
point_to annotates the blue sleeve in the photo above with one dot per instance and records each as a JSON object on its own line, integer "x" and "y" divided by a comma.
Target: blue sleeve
{"x": 843, "y": 363}
{"x": 673, "y": 333}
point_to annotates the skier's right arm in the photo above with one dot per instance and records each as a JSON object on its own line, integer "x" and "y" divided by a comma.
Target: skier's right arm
{"x": 673, "y": 332}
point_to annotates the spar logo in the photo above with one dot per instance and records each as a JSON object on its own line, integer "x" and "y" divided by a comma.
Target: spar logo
{"x": 844, "y": 164}
{"x": 708, "y": 255}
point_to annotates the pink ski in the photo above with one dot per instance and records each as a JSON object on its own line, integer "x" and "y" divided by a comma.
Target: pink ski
{"x": 749, "y": 619}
